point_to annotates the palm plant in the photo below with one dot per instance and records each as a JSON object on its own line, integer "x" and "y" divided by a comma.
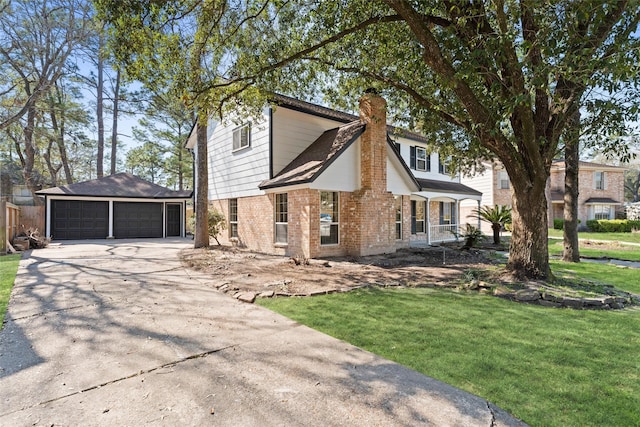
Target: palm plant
{"x": 497, "y": 216}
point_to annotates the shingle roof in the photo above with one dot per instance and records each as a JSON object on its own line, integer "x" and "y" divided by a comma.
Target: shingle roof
{"x": 561, "y": 165}
{"x": 601, "y": 200}
{"x": 317, "y": 157}
{"x": 328, "y": 113}
{"x": 446, "y": 187}
{"x": 118, "y": 185}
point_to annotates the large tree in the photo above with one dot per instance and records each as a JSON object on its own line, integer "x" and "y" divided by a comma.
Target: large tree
{"x": 494, "y": 79}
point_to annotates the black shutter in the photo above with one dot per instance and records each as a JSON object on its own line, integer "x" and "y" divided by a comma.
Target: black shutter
{"x": 441, "y": 212}
{"x": 429, "y": 162}
{"x": 412, "y": 162}
{"x": 397, "y": 145}
{"x": 413, "y": 215}
{"x": 440, "y": 166}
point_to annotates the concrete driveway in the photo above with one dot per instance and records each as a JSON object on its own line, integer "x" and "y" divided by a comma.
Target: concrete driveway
{"x": 119, "y": 333}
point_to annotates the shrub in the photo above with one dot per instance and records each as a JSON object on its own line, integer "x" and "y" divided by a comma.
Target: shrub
{"x": 558, "y": 224}
{"x": 612, "y": 225}
{"x": 215, "y": 224}
{"x": 471, "y": 236}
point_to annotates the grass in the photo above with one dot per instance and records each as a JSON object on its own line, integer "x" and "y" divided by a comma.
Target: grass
{"x": 615, "y": 237}
{"x": 594, "y": 250}
{"x": 551, "y": 367}
{"x": 8, "y": 270}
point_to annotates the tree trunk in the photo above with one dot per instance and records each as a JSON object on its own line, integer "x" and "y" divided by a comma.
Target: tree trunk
{"x": 114, "y": 131}
{"x": 201, "y": 233}
{"x": 99, "y": 108}
{"x": 59, "y": 131}
{"x": 571, "y": 252}
{"x": 30, "y": 155}
{"x": 528, "y": 252}
{"x": 496, "y": 227}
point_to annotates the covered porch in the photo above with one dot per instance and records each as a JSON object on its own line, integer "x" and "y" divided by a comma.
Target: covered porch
{"x": 435, "y": 211}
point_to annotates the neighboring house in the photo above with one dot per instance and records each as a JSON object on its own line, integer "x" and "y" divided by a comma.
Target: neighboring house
{"x": 116, "y": 206}
{"x": 601, "y": 190}
{"x": 307, "y": 180}
{"x": 600, "y": 187}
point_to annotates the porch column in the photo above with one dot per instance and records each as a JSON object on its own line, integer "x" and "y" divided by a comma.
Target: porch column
{"x": 458, "y": 217}
{"x": 110, "y": 236}
{"x": 427, "y": 220}
{"x": 479, "y": 220}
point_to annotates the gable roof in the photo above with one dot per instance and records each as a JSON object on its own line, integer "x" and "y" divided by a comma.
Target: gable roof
{"x": 118, "y": 185}
{"x": 317, "y": 157}
{"x": 328, "y": 113}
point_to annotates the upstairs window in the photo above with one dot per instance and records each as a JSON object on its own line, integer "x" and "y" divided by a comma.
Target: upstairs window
{"x": 420, "y": 160}
{"x": 598, "y": 180}
{"x": 443, "y": 166}
{"x": 241, "y": 137}
{"x": 503, "y": 180}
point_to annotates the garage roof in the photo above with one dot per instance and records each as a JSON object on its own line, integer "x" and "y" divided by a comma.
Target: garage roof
{"x": 118, "y": 185}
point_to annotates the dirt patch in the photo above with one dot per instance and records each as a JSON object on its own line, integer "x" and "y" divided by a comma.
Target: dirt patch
{"x": 247, "y": 271}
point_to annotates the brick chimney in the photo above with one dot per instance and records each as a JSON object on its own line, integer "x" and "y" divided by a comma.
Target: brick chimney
{"x": 373, "y": 157}
{"x": 371, "y": 211}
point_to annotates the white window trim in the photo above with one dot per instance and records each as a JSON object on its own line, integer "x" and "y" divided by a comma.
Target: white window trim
{"x": 424, "y": 153}
{"x": 398, "y": 222}
{"x": 503, "y": 177}
{"x": 231, "y": 236}
{"x": 424, "y": 217}
{"x": 332, "y": 223}
{"x": 238, "y": 131}
{"x": 276, "y": 222}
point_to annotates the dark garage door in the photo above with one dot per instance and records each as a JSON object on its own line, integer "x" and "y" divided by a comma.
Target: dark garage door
{"x": 79, "y": 219}
{"x": 137, "y": 219}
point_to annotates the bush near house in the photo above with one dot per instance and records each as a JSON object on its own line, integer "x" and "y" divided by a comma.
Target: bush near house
{"x": 612, "y": 225}
{"x": 558, "y": 223}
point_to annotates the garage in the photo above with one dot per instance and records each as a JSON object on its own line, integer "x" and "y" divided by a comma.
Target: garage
{"x": 137, "y": 219}
{"x": 79, "y": 219}
{"x": 120, "y": 206}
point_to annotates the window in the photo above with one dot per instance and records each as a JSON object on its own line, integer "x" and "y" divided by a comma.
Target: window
{"x": 503, "y": 180}
{"x": 233, "y": 218}
{"x": 329, "y": 220}
{"x": 598, "y": 180}
{"x": 241, "y": 137}
{"x": 398, "y": 206}
{"x": 601, "y": 211}
{"x": 417, "y": 217}
{"x": 447, "y": 213}
{"x": 419, "y": 159}
{"x": 443, "y": 166}
{"x": 282, "y": 213}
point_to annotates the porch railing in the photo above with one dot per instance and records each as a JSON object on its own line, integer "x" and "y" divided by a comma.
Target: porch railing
{"x": 442, "y": 233}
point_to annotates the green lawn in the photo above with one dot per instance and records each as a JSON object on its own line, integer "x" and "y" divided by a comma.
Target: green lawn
{"x": 594, "y": 250}
{"x": 8, "y": 269}
{"x": 549, "y": 367}
{"x": 616, "y": 237}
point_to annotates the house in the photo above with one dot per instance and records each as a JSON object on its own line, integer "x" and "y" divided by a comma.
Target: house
{"x": 117, "y": 206}
{"x": 600, "y": 187}
{"x": 311, "y": 181}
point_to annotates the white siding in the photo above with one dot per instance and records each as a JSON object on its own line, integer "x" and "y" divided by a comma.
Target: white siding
{"x": 405, "y": 152}
{"x": 237, "y": 174}
{"x": 482, "y": 182}
{"x": 343, "y": 174}
{"x": 293, "y": 132}
{"x": 397, "y": 180}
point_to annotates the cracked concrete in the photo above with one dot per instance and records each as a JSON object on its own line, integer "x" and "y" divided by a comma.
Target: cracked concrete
{"x": 118, "y": 333}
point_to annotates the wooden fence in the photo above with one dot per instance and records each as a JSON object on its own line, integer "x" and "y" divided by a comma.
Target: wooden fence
{"x": 13, "y": 219}
{"x": 32, "y": 217}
